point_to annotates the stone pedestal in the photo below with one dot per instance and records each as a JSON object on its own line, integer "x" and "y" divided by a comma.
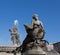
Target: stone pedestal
{"x": 37, "y": 51}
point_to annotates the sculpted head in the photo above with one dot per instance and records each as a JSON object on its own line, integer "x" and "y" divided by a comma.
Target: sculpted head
{"x": 35, "y": 16}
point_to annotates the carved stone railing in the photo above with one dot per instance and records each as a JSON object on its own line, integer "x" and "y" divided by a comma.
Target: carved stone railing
{"x": 7, "y": 48}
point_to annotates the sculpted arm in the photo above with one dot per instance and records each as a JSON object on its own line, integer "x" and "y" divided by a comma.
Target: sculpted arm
{"x": 42, "y": 26}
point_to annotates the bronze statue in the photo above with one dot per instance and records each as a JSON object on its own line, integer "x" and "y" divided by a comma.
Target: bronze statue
{"x": 36, "y": 30}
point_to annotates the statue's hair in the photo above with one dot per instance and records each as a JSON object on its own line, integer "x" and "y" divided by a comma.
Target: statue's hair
{"x": 35, "y": 15}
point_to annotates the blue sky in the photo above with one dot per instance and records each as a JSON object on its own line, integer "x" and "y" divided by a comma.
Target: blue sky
{"x": 22, "y": 10}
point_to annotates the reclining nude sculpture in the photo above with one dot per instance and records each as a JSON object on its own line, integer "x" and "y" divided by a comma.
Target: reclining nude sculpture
{"x": 35, "y": 35}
